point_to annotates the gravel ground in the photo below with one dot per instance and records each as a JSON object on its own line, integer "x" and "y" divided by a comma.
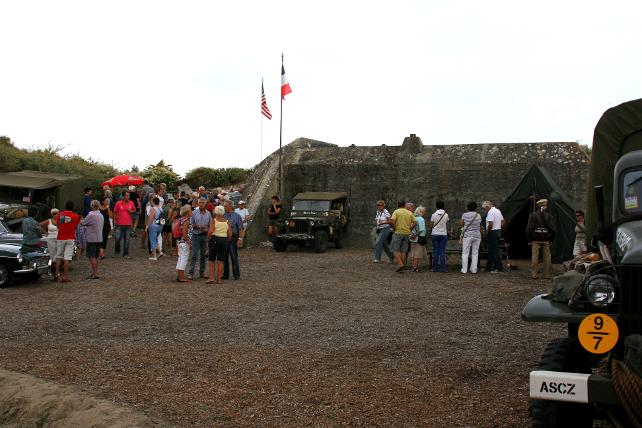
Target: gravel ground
{"x": 301, "y": 339}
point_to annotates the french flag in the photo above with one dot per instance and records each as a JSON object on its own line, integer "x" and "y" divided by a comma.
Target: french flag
{"x": 285, "y": 86}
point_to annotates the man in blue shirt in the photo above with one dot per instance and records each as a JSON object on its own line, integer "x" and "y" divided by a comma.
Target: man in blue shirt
{"x": 86, "y": 201}
{"x": 31, "y": 231}
{"x": 236, "y": 223}
{"x": 200, "y": 221}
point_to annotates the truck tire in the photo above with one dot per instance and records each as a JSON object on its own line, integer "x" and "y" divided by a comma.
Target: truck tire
{"x": 280, "y": 245}
{"x": 320, "y": 241}
{"x": 562, "y": 355}
{"x": 6, "y": 276}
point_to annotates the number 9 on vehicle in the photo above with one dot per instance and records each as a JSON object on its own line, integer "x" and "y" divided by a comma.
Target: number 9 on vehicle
{"x": 598, "y": 333}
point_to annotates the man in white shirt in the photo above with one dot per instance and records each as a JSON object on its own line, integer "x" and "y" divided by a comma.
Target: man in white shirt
{"x": 494, "y": 223}
{"x": 245, "y": 215}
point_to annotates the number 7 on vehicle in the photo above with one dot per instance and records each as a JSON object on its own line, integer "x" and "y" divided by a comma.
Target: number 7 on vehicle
{"x": 598, "y": 333}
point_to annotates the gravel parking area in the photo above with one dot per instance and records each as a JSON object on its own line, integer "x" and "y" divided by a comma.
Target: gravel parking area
{"x": 301, "y": 339}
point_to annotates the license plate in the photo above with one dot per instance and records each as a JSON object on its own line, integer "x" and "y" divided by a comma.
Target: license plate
{"x": 559, "y": 386}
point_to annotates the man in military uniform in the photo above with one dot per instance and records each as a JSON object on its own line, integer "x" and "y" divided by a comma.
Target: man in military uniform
{"x": 540, "y": 232}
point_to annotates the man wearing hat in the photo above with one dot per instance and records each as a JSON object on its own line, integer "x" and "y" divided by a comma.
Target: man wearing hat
{"x": 540, "y": 232}
{"x": 245, "y": 215}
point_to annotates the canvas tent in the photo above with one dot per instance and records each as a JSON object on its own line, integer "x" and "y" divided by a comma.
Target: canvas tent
{"x": 535, "y": 185}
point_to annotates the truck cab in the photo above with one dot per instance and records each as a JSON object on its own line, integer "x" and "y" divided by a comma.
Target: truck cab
{"x": 596, "y": 370}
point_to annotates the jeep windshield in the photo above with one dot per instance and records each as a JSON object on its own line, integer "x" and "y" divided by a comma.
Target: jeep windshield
{"x": 311, "y": 206}
{"x": 632, "y": 192}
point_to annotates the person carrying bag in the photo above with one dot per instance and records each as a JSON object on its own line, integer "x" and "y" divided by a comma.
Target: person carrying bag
{"x": 470, "y": 238}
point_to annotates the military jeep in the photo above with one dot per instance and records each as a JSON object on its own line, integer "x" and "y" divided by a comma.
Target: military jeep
{"x": 595, "y": 372}
{"x": 316, "y": 217}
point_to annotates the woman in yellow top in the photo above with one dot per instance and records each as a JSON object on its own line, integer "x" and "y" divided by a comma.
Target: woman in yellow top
{"x": 218, "y": 236}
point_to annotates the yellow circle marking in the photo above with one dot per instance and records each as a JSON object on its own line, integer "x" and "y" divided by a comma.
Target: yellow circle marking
{"x": 598, "y": 333}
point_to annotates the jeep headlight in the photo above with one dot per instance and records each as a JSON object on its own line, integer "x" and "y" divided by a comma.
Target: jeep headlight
{"x": 311, "y": 222}
{"x": 291, "y": 223}
{"x": 19, "y": 257}
{"x": 600, "y": 290}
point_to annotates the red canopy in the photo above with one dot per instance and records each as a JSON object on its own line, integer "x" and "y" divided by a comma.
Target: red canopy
{"x": 124, "y": 180}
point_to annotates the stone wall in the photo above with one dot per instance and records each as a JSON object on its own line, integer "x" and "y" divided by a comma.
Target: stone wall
{"x": 422, "y": 174}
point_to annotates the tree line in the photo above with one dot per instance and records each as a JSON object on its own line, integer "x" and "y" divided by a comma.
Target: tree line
{"x": 51, "y": 159}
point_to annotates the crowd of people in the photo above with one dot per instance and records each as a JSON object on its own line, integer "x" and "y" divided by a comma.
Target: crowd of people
{"x": 206, "y": 226}
{"x": 410, "y": 233}
{"x": 203, "y": 225}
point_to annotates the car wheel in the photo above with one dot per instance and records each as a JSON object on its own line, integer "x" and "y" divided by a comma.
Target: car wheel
{"x": 6, "y": 276}
{"x": 320, "y": 241}
{"x": 280, "y": 245}
{"x": 562, "y": 355}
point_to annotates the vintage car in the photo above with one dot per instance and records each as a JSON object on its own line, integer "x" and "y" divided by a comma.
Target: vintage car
{"x": 26, "y": 263}
{"x": 7, "y": 236}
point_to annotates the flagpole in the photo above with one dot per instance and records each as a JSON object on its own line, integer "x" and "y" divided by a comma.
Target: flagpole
{"x": 261, "y": 152}
{"x": 281, "y": 140}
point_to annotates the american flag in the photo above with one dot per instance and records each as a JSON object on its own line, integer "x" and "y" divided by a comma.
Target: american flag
{"x": 264, "y": 108}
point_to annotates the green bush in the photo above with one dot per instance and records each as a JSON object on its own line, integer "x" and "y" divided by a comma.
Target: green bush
{"x": 203, "y": 176}
{"x": 216, "y": 177}
{"x": 161, "y": 173}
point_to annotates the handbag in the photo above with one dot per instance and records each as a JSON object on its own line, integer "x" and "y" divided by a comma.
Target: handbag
{"x": 461, "y": 232}
{"x": 438, "y": 221}
{"x": 421, "y": 240}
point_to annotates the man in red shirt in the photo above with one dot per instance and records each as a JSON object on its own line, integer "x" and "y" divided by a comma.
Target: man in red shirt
{"x": 67, "y": 222}
{"x": 123, "y": 223}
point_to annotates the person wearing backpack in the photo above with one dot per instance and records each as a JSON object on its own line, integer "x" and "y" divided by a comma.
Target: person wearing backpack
{"x": 540, "y": 232}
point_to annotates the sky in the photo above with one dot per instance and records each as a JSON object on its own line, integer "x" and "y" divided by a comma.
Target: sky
{"x": 133, "y": 82}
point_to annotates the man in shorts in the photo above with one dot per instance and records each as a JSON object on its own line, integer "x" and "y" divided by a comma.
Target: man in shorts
{"x": 133, "y": 196}
{"x": 93, "y": 223}
{"x": 67, "y": 222}
{"x": 403, "y": 221}
{"x": 274, "y": 216}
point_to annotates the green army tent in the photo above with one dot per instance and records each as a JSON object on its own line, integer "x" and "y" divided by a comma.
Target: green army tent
{"x": 538, "y": 184}
{"x": 618, "y": 132}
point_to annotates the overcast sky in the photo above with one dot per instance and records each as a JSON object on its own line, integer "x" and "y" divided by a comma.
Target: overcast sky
{"x": 131, "y": 82}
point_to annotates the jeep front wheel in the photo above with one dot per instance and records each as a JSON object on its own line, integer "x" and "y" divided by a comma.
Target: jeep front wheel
{"x": 562, "y": 355}
{"x": 320, "y": 241}
{"x": 280, "y": 245}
